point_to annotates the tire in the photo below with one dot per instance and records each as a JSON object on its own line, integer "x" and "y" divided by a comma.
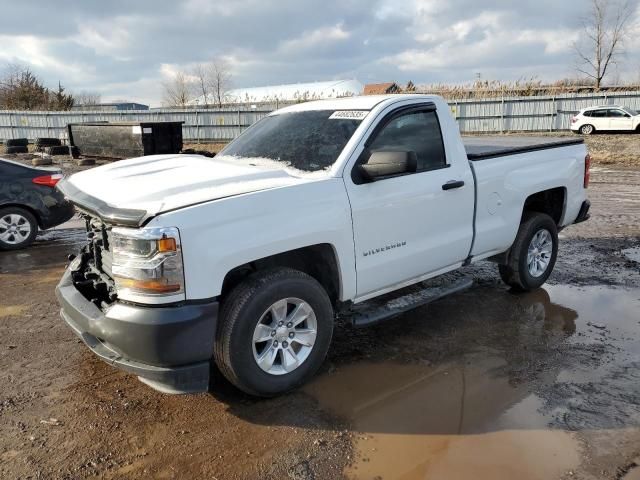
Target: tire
{"x": 16, "y": 142}
{"x": 249, "y": 304}
{"x": 16, "y": 149}
{"x": 517, "y": 273}
{"x": 57, "y": 150}
{"x": 587, "y": 129}
{"x": 204, "y": 153}
{"x": 11, "y": 217}
{"x": 48, "y": 142}
{"x": 41, "y": 161}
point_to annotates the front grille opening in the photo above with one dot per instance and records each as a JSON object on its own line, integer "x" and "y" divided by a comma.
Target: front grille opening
{"x": 92, "y": 278}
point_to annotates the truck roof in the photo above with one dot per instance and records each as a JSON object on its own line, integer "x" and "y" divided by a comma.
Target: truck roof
{"x": 364, "y": 102}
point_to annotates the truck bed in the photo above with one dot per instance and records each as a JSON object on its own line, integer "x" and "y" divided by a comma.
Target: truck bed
{"x": 484, "y": 147}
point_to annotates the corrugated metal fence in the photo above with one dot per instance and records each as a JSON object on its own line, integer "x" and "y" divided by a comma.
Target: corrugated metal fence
{"x": 222, "y": 125}
{"x": 532, "y": 113}
{"x": 542, "y": 113}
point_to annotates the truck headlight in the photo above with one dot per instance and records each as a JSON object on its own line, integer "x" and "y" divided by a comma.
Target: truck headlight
{"x": 147, "y": 264}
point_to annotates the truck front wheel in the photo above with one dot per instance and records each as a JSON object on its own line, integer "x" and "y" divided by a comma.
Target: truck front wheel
{"x": 532, "y": 256}
{"x": 274, "y": 332}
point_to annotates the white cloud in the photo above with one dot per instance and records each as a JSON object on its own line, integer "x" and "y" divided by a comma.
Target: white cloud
{"x": 34, "y": 52}
{"x": 209, "y": 7}
{"x": 126, "y": 49}
{"x": 482, "y": 41}
{"x": 315, "y": 38}
{"x": 111, "y": 37}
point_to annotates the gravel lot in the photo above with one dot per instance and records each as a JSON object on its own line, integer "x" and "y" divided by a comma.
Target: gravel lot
{"x": 485, "y": 384}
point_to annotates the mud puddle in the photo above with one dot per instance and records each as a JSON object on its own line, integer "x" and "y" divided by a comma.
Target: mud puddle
{"x": 514, "y": 391}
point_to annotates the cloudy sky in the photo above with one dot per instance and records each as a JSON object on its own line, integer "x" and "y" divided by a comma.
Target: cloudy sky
{"x": 124, "y": 49}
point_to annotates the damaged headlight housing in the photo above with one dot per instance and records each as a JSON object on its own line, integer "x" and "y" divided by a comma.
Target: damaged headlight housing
{"x": 147, "y": 264}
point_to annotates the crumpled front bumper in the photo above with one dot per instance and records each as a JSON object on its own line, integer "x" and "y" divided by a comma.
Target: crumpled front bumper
{"x": 169, "y": 348}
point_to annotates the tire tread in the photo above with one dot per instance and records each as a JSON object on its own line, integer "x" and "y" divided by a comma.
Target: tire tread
{"x": 230, "y": 314}
{"x": 510, "y": 272}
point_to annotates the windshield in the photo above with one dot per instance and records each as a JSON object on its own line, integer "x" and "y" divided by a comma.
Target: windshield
{"x": 309, "y": 141}
{"x": 631, "y": 111}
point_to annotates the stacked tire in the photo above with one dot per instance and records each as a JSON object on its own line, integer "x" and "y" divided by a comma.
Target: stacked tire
{"x": 16, "y": 145}
{"x": 43, "y": 143}
{"x": 56, "y": 150}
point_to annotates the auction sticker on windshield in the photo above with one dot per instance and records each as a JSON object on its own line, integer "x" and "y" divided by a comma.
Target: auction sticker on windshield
{"x": 349, "y": 115}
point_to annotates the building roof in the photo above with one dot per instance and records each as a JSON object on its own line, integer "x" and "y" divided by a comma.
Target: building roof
{"x": 289, "y": 92}
{"x": 381, "y": 88}
{"x": 112, "y": 105}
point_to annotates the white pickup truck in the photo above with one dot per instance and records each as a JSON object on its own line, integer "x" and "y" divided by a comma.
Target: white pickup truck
{"x": 325, "y": 207}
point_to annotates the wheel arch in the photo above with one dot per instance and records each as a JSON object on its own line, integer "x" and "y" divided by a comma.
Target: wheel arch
{"x": 552, "y": 201}
{"x": 319, "y": 261}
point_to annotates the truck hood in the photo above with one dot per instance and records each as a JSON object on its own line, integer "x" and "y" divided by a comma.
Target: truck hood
{"x": 131, "y": 191}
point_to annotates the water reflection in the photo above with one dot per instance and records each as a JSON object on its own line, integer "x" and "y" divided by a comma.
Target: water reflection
{"x": 494, "y": 408}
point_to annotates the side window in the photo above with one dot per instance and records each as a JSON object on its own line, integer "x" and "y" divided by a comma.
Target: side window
{"x": 415, "y": 131}
{"x": 617, "y": 114}
{"x": 588, "y": 113}
{"x": 599, "y": 113}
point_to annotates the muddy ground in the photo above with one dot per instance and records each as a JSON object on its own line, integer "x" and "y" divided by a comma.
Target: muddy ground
{"x": 486, "y": 384}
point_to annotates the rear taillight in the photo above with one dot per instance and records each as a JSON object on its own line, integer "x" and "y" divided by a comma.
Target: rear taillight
{"x": 574, "y": 119}
{"x": 587, "y": 170}
{"x": 48, "y": 180}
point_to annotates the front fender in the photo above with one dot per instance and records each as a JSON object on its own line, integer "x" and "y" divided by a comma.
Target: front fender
{"x": 221, "y": 235}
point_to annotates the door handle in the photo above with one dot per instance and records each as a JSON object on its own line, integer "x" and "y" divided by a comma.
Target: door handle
{"x": 452, "y": 184}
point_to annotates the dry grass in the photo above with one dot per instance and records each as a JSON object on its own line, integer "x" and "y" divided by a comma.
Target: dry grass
{"x": 605, "y": 149}
{"x": 521, "y": 88}
{"x": 615, "y": 149}
{"x": 209, "y": 147}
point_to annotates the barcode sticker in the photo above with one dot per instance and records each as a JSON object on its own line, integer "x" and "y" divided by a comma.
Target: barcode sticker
{"x": 136, "y": 130}
{"x": 349, "y": 115}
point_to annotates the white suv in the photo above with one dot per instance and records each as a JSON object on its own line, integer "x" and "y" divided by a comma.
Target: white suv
{"x": 605, "y": 118}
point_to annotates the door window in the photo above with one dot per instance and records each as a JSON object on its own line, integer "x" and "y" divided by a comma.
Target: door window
{"x": 599, "y": 113}
{"x": 617, "y": 114}
{"x": 417, "y": 131}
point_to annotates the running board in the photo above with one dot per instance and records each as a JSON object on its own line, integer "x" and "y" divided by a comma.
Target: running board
{"x": 372, "y": 311}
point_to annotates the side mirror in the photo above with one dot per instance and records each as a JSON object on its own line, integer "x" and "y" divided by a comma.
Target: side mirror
{"x": 387, "y": 164}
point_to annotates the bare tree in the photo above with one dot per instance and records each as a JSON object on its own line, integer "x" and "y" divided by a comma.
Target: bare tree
{"x": 201, "y": 72}
{"x": 605, "y": 30}
{"x": 220, "y": 80}
{"x": 88, "y": 98}
{"x": 177, "y": 91}
{"x": 212, "y": 81}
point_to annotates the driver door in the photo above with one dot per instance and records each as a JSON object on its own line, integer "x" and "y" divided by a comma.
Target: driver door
{"x": 408, "y": 226}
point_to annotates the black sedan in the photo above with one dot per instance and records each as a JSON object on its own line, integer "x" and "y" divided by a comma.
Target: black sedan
{"x": 29, "y": 201}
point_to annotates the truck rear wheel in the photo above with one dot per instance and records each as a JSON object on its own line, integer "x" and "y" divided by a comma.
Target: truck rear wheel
{"x": 532, "y": 256}
{"x": 274, "y": 332}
